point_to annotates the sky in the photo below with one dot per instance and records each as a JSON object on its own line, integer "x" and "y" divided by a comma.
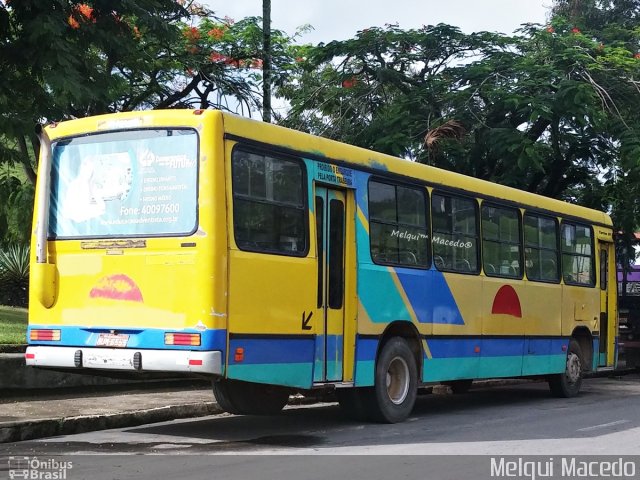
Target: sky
{"x": 341, "y": 19}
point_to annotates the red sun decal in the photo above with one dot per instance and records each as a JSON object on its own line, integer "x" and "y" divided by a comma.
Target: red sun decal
{"x": 117, "y": 287}
{"x": 507, "y": 302}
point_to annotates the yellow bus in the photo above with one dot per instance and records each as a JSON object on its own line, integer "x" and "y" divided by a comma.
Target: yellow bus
{"x": 275, "y": 261}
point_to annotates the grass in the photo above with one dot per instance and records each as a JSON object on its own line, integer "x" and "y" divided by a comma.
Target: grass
{"x": 13, "y": 326}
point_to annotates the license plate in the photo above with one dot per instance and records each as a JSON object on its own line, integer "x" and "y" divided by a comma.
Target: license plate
{"x": 112, "y": 340}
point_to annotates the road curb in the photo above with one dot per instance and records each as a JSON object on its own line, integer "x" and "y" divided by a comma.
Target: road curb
{"x": 51, "y": 427}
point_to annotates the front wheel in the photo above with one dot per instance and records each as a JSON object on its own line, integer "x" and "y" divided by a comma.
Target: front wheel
{"x": 567, "y": 384}
{"x": 396, "y": 383}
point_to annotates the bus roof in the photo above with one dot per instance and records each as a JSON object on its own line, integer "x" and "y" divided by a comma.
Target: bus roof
{"x": 333, "y": 150}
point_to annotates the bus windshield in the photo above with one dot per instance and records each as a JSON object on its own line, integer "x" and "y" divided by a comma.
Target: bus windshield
{"x": 124, "y": 184}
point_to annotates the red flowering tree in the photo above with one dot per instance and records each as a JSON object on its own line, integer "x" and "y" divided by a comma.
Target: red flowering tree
{"x": 62, "y": 59}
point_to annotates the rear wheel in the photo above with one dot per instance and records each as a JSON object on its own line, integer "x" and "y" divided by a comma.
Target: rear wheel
{"x": 244, "y": 398}
{"x": 567, "y": 384}
{"x": 396, "y": 383}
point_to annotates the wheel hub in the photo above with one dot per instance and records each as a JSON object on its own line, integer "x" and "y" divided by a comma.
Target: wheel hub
{"x": 397, "y": 380}
{"x": 573, "y": 368}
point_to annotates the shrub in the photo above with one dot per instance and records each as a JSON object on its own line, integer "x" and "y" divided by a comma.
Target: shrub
{"x": 14, "y": 276}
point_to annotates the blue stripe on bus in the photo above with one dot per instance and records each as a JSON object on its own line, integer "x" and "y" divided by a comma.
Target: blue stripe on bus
{"x": 271, "y": 349}
{"x": 366, "y": 349}
{"x": 421, "y": 286}
{"x": 142, "y": 338}
{"x": 495, "y": 347}
{"x": 334, "y": 354}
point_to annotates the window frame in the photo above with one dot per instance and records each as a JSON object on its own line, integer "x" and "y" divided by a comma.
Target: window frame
{"x": 558, "y": 247}
{"x": 52, "y": 236}
{"x": 265, "y": 152}
{"x": 478, "y": 236}
{"x": 490, "y": 204}
{"x": 593, "y": 281}
{"x": 426, "y": 199}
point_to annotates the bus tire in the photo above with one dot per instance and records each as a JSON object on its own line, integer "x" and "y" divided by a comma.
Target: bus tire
{"x": 459, "y": 387}
{"x": 352, "y": 403}
{"x": 568, "y": 383}
{"x": 244, "y": 398}
{"x": 393, "y": 395}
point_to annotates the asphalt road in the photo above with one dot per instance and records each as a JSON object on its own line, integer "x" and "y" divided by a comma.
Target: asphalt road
{"x": 318, "y": 442}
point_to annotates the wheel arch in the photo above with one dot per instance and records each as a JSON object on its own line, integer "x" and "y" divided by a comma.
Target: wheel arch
{"x": 408, "y": 331}
{"x": 585, "y": 339}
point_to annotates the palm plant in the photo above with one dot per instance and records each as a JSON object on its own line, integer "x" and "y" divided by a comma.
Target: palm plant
{"x": 14, "y": 275}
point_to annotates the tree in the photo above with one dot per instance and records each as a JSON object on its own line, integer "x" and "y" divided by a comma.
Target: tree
{"x": 549, "y": 109}
{"x": 106, "y": 56}
{"x": 266, "y": 58}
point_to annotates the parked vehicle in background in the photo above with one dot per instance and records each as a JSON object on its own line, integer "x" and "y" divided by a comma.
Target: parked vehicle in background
{"x": 629, "y": 313}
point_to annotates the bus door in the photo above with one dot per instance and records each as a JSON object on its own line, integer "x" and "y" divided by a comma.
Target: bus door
{"x": 607, "y": 305}
{"x": 330, "y": 206}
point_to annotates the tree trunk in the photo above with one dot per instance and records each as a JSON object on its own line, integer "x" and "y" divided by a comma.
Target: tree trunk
{"x": 25, "y": 161}
{"x": 266, "y": 61}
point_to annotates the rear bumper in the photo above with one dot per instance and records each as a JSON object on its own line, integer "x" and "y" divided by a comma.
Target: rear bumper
{"x": 125, "y": 359}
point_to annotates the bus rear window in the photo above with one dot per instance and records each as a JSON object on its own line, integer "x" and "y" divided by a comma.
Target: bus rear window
{"x": 125, "y": 184}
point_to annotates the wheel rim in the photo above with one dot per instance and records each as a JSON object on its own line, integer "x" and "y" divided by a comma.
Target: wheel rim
{"x": 398, "y": 380}
{"x": 573, "y": 368}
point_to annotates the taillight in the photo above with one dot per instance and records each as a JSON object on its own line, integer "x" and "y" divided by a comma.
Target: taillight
{"x": 182, "y": 339}
{"x": 45, "y": 334}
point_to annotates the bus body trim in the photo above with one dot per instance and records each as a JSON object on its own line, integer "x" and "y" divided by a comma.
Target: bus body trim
{"x": 123, "y": 359}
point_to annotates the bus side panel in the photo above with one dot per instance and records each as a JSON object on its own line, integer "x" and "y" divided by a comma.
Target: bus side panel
{"x": 272, "y": 305}
{"x": 454, "y": 350}
{"x": 544, "y": 343}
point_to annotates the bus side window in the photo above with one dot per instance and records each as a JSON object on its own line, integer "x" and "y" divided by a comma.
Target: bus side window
{"x": 269, "y": 204}
{"x": 501, "y": 241}
{"x": 541, "y": 248}
{"x": 398, "y": 225}
{"x": 577, "y": 254}
{"x": 455, "y": 233}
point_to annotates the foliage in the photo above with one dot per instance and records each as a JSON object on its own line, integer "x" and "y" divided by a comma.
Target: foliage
{"x": 107, "y": 56}
{"x": 16, "y": 200}
{"x": 14, "y": 276}
{"x": 550, "y": 109}
{"x": 103, "y": 56}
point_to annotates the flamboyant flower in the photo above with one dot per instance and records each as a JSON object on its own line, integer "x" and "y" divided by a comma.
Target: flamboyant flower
{"x": 73, "y": 23}
{"x": 575, "y": 30}
{"x": 550, "y": 29}
{"x": 216, "y": 33}
{"x": 637, "y": 56}
{"x": 217, "y": 57}
{"x": 85, "y": 10}
{"x": 257, "y": 63}
{"x": 192, "y": 34}
{"x": 349, "y": 82}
